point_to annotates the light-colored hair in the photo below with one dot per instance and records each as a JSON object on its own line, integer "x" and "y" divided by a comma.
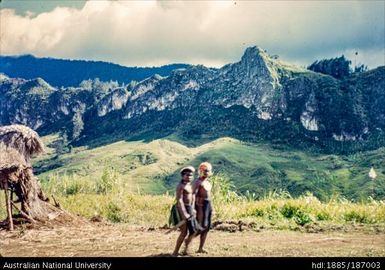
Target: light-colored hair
{"x": 205, "y": 166}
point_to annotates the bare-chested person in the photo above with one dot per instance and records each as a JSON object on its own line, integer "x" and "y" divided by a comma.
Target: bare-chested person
{"x": 202, "y": 191}
{"x": 185, "y": 206}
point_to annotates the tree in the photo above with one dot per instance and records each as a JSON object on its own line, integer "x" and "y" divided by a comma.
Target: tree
{"x": 361, "y": 68}
{"x": 78, "y": 125}
{"x": 337, "y": 67}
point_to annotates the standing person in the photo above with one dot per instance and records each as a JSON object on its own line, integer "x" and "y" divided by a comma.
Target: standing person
{"x": 185, "y": 208}
{"x": 202, "y": 190}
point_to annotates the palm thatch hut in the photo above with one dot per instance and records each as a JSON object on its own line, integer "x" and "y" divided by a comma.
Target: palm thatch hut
{"x": 23, "y": 139}
{"x": 18, "y": 144}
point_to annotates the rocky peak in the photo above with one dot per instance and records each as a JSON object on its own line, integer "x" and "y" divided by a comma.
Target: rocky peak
{"x": 157, "y": 77}
{"x": 37, "y": 86}
{"x": 256, "y": 60}
{"x": 252, "y": 53}
{"x": 113, "y": 101}
{"x": 3, "y": 77}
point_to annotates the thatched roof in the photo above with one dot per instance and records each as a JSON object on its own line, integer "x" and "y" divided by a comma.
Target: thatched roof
{"x": 23, "y": 139}
{"x": 11, "y": 164}
{"x": 10, "y": 158}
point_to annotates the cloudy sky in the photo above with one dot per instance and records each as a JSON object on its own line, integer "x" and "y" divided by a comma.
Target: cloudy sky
{"x": 213, "y": 33}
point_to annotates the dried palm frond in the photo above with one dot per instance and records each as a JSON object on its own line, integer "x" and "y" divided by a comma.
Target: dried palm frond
{"x": 26, "y": 141}
{"x": 12, "y": 163}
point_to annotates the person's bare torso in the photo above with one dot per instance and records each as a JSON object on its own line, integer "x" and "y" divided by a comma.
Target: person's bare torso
{"x": 187, "y": 194}
{"x": 204, "y": 190}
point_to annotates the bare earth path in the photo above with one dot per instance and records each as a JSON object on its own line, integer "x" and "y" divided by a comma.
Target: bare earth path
{"x": 126, "y": 241}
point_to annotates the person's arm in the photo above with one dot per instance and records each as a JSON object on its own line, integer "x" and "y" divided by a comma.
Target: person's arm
{"x": 180, "y": 202}
{"x": 194, "y": 193}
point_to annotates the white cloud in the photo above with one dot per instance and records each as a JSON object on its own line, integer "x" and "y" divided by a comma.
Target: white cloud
{"x": 211, "y": 33}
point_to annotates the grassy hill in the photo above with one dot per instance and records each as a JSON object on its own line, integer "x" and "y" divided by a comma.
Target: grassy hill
{"x": 152, "y": 167}
{"x": 258, "y": 185}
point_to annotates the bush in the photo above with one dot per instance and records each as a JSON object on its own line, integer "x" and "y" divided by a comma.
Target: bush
{"x": 323, "y": 215}
{"x": 356, "y": 217}
{"x": 289, "y": 210}
{"x": 301, "y": 218}
{"x": 223, "y": 189}
{"x": 72, "y": 188}
{"x": 338, "y": 67}
{"x": 113, "y": 212}
{"x": 68, "y": 185}
{"x": 108, "y": 182}
{"x": 258, "y": 212}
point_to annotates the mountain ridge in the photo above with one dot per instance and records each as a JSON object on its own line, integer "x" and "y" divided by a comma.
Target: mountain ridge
{"x": 71, "y": 72}
{"x": 257, "y": 98}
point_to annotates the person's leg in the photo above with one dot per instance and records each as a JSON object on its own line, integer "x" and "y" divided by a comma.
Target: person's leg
{"x": 206, "y": 223}
{"x": 200, "y": 215}
{"x": 180, "y": 239}
{"x": 202, "y": 242}
{"x": 191, "y": 229}
{"x": 188, "y": 241}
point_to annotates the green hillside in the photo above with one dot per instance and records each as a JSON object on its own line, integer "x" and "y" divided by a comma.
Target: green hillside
{"x": 152, "y": 167}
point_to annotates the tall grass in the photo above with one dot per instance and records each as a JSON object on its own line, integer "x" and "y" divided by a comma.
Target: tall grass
{"x": 106, "y": 197}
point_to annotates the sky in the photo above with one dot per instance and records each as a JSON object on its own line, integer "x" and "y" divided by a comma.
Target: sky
{"x": 212, "y": 33}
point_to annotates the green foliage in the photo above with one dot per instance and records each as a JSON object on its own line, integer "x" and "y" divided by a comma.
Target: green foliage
{"x": 68, "y": 185}
{"x": 296, "y": 212}
{"x": 360, "y": 68}
{"x": 60, "y": 72}
{"x": 323, "y": 215}
{"x": 258, "y": 212}
{"x": 256, "y": 171}
{"x": 113, "y": 212}
{"x": 337, "y": 67}
{"x": 223, "y": 190}
{"x": 301, "y": 218}
{"x": 108, "y": 181}
{"x": 78, "y": 125}
{"x": 289, "y": 211}
{"x": 358, "y": 216}
{"x": 72, "y": 188}
{"x": 250, "y": 196}
{"x": 276, "y": 211}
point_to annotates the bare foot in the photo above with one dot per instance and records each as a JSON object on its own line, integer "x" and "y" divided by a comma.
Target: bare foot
{"x": 202, "y": 251}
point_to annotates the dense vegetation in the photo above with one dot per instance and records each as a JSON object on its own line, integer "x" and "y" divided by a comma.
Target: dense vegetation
{"x": 60, "y": 72}
{"x": 338, "y": 67}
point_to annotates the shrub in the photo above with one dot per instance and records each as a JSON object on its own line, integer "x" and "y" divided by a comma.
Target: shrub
{"x": 289, "y": 210}
{"x": 223, "y": 189}
{"x": 356, "y": 216}
{"x": 108, "y": 181}
{"x": 113, "y": 212}
{"x": 301, "y": 218}
{"x": 258, "y": 212}
{"x": 323, "y": 215}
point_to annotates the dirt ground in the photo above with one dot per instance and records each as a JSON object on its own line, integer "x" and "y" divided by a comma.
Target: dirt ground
{"x": 127, "y": 241}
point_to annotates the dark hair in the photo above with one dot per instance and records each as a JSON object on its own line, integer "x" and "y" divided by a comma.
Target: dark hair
{"x": 185, "y": 171}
